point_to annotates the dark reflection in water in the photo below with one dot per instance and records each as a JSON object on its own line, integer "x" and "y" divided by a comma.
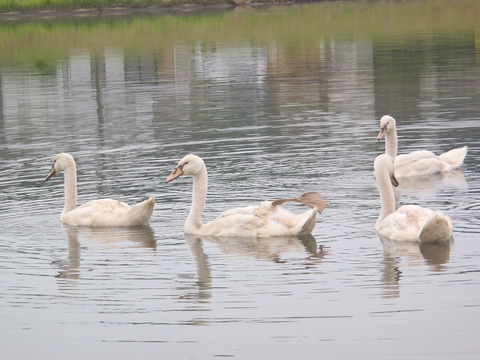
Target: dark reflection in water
{"x": 436, "y": 255}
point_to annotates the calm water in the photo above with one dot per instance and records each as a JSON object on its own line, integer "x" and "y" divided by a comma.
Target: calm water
{"x": 273, "y": 115}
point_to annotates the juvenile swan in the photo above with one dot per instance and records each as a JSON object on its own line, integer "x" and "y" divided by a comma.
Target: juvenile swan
{"x": 409, "y": 222}
{"x": 417, "y": 163}
{"x": 264, "y": 220}
{"x": 103, "y": 212}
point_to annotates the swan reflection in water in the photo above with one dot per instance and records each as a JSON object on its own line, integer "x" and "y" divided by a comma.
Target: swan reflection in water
{"x": 270, "y": 249}
{"x": 434, "y": 254}
{"x": 427, "y": 184}
{"x": 102, "y": 238}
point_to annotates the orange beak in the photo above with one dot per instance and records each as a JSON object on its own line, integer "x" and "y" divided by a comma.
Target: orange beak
{"x": 177, "y": 172}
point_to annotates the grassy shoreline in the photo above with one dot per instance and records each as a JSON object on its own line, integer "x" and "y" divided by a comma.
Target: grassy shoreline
{"x": 47, "y": 6}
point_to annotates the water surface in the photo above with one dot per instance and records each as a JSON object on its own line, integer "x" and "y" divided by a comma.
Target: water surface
{"x": 277, "y": 101}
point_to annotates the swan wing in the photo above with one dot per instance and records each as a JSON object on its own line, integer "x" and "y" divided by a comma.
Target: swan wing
{"x": 422, "y": 163}
{"x": 108, "y": 212}
{"x": 263, "y": 220}
{"x": 405, "y": 224}
{"x": 417, "y": 163}
{"x": 311, "y": 199}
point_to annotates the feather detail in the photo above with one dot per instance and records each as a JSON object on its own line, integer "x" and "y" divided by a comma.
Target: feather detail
{"x": 311, "y": 199}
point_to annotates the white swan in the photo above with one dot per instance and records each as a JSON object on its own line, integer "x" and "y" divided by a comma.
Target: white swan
{"x": 409, "y": 222}
{"x": 264, "y": 220}
{"x": 103, "y": 212}
{"x": 417, "y": 163}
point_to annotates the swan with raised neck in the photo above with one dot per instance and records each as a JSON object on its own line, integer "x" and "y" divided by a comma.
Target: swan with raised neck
{"x": 97, "y": 213}
{"x": 417, "y": 163}
{"x": 264, "y": 220}
{"x": 409, "y": 222}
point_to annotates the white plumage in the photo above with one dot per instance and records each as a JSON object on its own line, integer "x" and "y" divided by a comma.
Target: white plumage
{"x": 264, "y": 220}
{"x": 409, "y": 222}
{"x": 103, "y": 212}
{"x": 417, "y": 163}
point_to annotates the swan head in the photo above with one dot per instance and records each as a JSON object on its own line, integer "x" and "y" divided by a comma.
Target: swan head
{"x": 61, "y": 162}
{"x": 384, "y": 164}
{"x": 387, "y": 123}
{"x": 189, "y": 165}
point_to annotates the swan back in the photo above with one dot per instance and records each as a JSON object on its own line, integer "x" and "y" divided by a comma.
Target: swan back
{"x": 263, "y": 220}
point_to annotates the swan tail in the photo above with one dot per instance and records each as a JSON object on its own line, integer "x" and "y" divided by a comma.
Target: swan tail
{"x": 454, "y": 158}
{"x": 140, "y": 213}
{"x": 437, "y": 228}
{"x": 306, "y": 222}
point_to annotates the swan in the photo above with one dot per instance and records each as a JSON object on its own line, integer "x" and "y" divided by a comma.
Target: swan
{"x": 264, "y": 220}
{"x": 409, "y": 222}
{"x": 96, "y": 213}
{"x": 417, "y": 163}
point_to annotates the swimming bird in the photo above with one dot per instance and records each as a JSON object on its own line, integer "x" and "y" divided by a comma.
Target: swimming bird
{"x": 417, "y": 163}
{"x": 102, "y": 212}
{"x": 409, "y": 222}
{"x": 263, "y": 220}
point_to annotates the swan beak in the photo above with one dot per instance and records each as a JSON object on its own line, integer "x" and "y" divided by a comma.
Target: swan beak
{"x": 394, "y": 180}
{"x": 382, "y": 133}
{"x": 52, "y": 173}
{"x": 177, "y": 172}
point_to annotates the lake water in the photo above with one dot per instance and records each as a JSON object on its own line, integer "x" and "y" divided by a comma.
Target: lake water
{"x": 277, "y": 101}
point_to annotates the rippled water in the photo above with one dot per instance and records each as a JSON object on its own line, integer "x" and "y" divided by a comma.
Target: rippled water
{"x": 268, "y": 124}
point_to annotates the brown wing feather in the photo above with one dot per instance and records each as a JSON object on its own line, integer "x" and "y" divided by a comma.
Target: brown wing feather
{"x": 311, "y": 199}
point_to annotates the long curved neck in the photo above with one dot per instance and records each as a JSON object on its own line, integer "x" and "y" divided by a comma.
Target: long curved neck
{"x": 387, "y": 196}
{"x": 70, "y": 179}
{"x": 391, "y": 145}
{"x": 199, "y": 197}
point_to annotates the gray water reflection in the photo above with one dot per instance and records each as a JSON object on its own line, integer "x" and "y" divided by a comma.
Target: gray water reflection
{"x": 272, "y": 116}
{"x": 435, "y": 255}
{"x": 101, "y": 239}
{"x": 270, "y": 249}
{"x": 421, "y": 185}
